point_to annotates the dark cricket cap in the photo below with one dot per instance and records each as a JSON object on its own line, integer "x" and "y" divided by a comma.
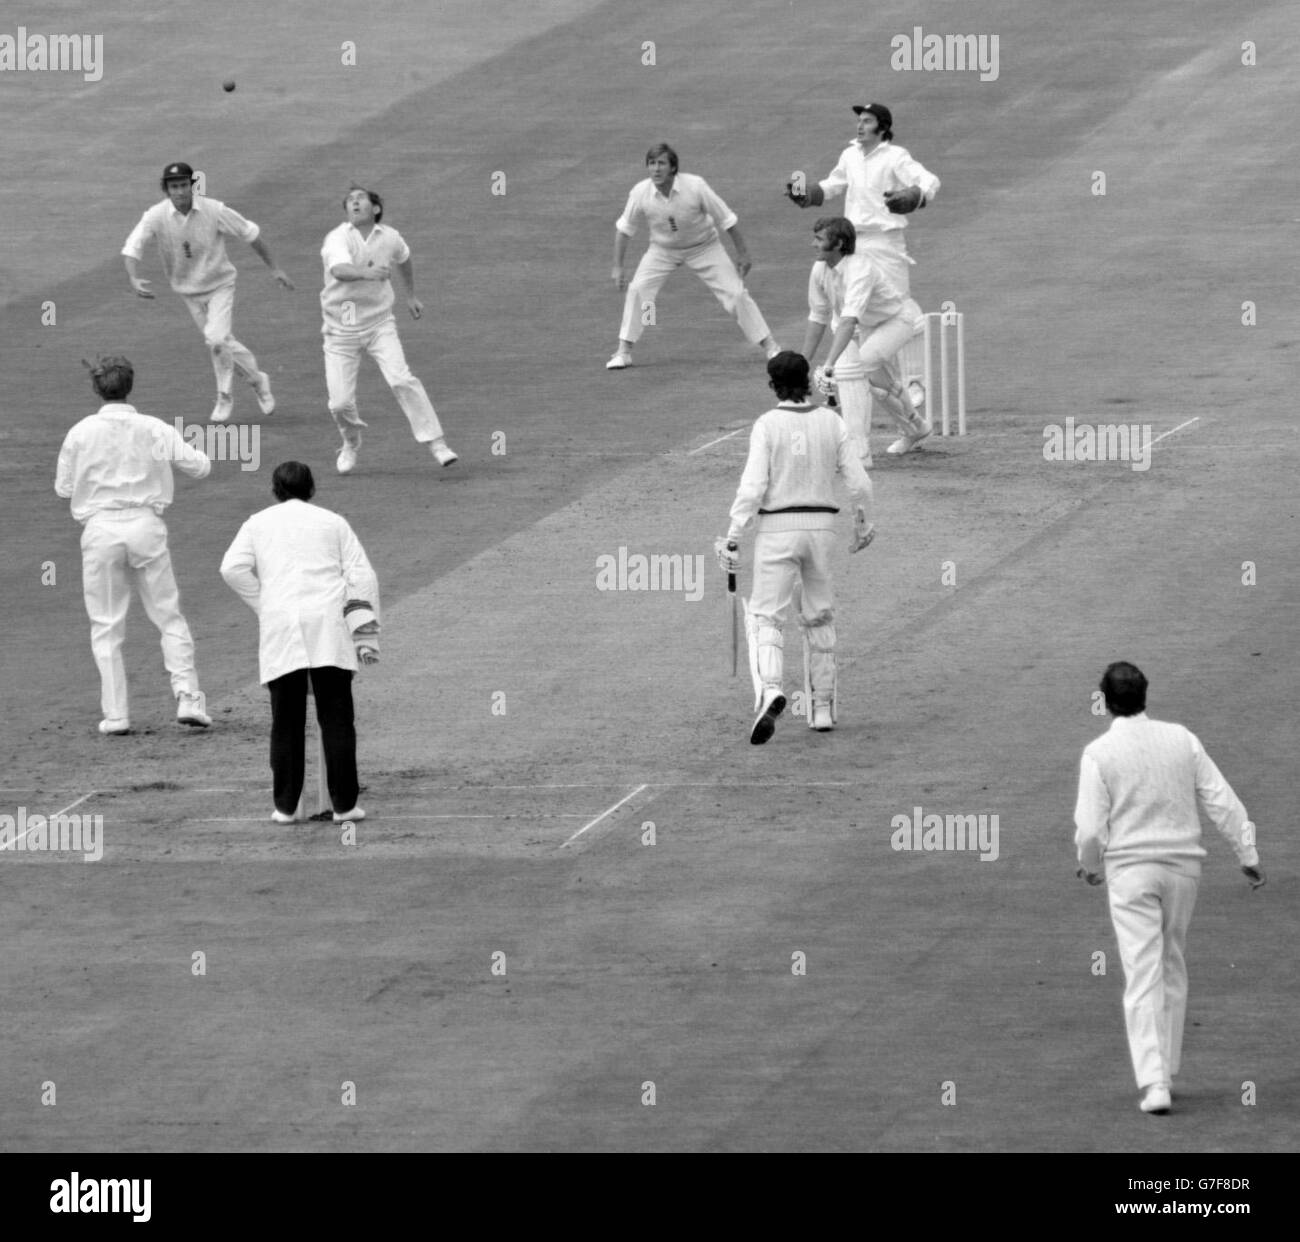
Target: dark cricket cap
{"x": 883, "y": 116}
{"x": 178, "y": 172}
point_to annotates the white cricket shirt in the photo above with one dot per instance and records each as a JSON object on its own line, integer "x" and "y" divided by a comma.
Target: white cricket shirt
{"x": 191, "y": 245}
{"x": 1140, "y": 784}
{"x": 795, "y": 451}
{"x": 863, "y": 179}
{"x": 356, "y": 305}
{"x": 690, "y": 215}
{"x": 854, "y": 287}
{"x": 119, "y": 458}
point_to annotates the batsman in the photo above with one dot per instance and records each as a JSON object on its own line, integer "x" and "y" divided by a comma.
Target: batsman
{"x": 795, "y": 451}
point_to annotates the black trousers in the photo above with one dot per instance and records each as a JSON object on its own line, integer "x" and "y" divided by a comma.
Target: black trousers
{"x": 332, "y": 689}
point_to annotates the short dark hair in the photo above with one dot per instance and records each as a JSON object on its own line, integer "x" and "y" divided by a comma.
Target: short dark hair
{"x": 662, "y": 148}
{"x": 292, "y": 481}
{"x": 112, "y": 377}
{"x": 838, "y": 229}
{"x": 1125, "y": 688}
{"x": 371, "y": 195}
{"x": 788, "y": 375}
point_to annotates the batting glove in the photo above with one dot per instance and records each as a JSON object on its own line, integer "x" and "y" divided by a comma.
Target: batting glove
{"x": 367, "y": 652}
{"x": 728, "y": 558}
{"x": 863, "y": 531}
{"x": 824, "y": 381}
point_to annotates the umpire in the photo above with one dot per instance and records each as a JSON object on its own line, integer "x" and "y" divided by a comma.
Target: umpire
{"x": 306, "y": 575}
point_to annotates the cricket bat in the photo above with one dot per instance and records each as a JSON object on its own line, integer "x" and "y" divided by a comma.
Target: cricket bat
{"x": 732, "y": 545}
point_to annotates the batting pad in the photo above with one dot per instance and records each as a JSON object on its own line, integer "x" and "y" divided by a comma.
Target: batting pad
{"x": 820, "y": 677}
{"x": 766, "y": 655}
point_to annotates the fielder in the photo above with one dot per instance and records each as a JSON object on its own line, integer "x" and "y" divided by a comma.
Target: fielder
{"x": 882, "y": 185}
{"x": 795, "y": 451}
{"x": 684, "y": 216}
{"x": 1140, "y": 785}
{"x": 357, "y": 308}
{"x": 115, "y": 467}
{"x": 871, "y": 320}
{"x": 190, "y": 233}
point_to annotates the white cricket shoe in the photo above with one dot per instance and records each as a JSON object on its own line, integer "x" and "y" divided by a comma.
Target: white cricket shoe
{"x": 821, "y": 718}
{"x": 1157, "y": 1099}
{"x": 224, "y": 408}
{"x": 444, "y": 455}
{"x": 347, "y": 459}
{"x": 354, "y": 814}
{"x": 114, "y": 726}
{"x": 765, "y": 722}
{"x": 906, "y": 443}
{"x": 262, "y": 386}
{"x": 279, "y": 817}
{"x": 191, "y": 709}
{"x": 619, "y": 362}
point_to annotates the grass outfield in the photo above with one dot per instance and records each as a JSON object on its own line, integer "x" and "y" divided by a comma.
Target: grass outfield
{"x": 517, "y": 705}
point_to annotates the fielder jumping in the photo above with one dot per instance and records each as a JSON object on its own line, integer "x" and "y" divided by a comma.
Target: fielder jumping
{"x": 357, "y": 308}
{"x": 685, "y": 216}
{"x": 882, "y": 184}
{"x": 871, "y": 320}
{"x": 795, "y": 451}
{"x": 189, "y": 231}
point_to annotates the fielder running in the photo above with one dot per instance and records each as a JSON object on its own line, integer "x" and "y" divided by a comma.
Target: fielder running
{"x": 1140, "y": 785}
{"x": 684, "y": 216}
{"x": 795, "y": 451}
{"x": 116, "y": 468}
{"x": 357, "y": 308}
{"x": 882, "y": 184}
{"x": 190, "y": 231}
{"x": 871, "y": 320}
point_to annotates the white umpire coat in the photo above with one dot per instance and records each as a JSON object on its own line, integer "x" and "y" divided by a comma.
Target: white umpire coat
{"x": 296, "y": 565}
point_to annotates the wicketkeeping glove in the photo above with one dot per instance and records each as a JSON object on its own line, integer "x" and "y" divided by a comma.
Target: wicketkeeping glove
{"x": 903, "y": 202}
{"x": 728, "y": 558}
{"x": 813, "y": 196}
{"x": 824, "y": 382}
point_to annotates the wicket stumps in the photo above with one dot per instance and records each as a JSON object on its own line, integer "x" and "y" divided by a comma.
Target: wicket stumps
{"x": 917, "y": 360}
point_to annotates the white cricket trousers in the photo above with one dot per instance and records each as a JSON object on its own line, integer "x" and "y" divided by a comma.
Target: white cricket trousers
{"x": 784, "y": 559}
{"x": 214, "y": 313}
{"x": 1151, "y": 908}
{"x": 343, "y": 352}
{"x": 121, "y": 549}
{"x": 713, "y": 265}
{"x": 888, "y": 251}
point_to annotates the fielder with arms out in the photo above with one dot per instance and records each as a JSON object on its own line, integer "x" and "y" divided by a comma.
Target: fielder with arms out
{"x": 795, "y": 451}
{"x": 882, "y": 184}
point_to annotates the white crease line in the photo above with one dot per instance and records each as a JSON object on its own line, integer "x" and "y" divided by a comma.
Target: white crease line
{"x": 1171, "y": 431}
{"x": 719, "y": 440}
{"x": 56, "y": 814}
{"x": 605, "y": 814}
{"x": 380, "y": 819}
